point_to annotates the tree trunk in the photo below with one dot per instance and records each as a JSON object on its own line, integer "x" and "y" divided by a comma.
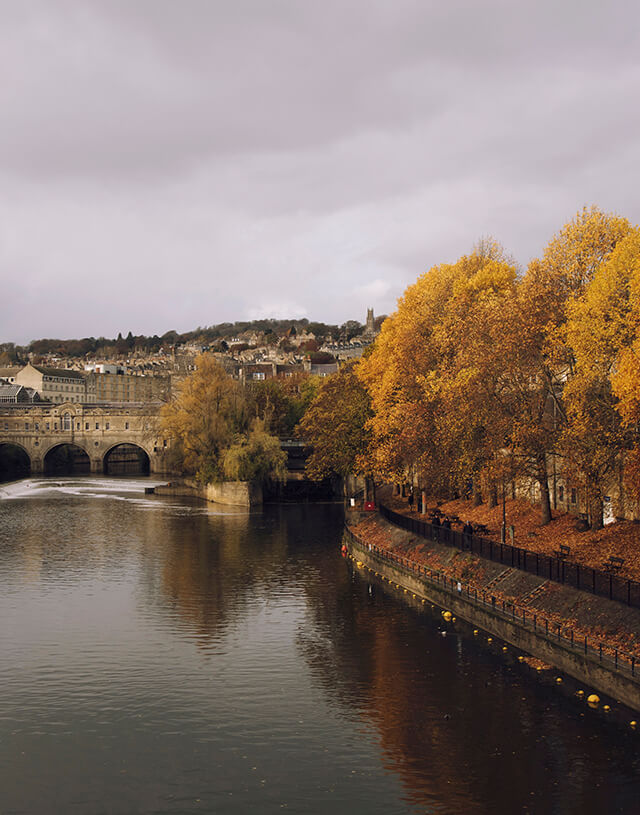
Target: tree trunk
{"x": 493, "y": 496}
{"x": 545, "y": 497}
{"x": 596, "y": 510}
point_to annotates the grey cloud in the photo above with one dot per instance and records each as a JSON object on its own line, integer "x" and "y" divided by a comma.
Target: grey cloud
{"x": 201, "y": 161}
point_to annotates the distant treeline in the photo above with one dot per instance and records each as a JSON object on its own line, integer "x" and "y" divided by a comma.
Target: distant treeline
{"x": 205, "y": 336}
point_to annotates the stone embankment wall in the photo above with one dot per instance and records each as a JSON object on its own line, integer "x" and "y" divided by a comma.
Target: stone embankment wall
{"x": 588, "y": 668}
{"x": 228, "y": 493}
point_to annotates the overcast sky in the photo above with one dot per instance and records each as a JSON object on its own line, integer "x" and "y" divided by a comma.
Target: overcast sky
{"x": 174, "y": 163}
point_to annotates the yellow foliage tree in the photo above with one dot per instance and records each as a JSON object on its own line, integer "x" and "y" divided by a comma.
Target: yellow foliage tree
{"x": 208, "y": 413}
{"x": 546, "y": 360}
{"x": 433, "y": 377}
{"x": 335, "y": 427}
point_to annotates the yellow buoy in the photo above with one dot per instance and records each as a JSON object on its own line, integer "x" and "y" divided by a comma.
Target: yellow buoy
{"x": 559, "y": 680}
{"x": 606, "y": 708}
{"x": 447, "y": 615}
{"x": 593, "y": 699}
{"x": 475, "y": 632}
{"x": 633, "y": 723}
{"x": 504, "y": 647}
{"x": 453, "y": 619}
{"x": 413, "y": 595}
{"x": 520, "y": 659}
{"x": 489, "y": 639}
{"x": 580, "y": 693}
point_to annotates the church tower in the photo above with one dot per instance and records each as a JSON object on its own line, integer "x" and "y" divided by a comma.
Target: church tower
{"x": 369, "y": 328}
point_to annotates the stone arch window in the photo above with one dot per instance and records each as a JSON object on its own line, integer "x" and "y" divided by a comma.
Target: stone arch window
{"x": 67, "y": 422}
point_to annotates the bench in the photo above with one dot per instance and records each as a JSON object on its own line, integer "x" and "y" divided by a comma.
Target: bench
{"x": 614, "y": 564}
{"x": 562, "y": 552}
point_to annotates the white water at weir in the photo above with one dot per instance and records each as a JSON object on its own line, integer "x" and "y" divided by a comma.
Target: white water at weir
{"x": 109, "y": 489}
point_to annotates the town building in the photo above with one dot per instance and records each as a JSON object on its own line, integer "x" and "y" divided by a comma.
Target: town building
{"x": 53, "y": 384}
{"x": 9, "y": 374}
{"x": 11, "y": 394}
{"x": 122, "y": 387}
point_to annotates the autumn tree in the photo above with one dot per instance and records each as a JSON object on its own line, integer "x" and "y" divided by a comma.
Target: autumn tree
{"x": 281, "y": 403}
{"x": 433, "y": 374}
{"x": 256, "y": 456}
{"x": 602, "y": 326}
{"x": 472, "y": 423}
{"x": 544, "y": 357}
{"x": 206, "y": 415}
{"x": 334, "y": 426}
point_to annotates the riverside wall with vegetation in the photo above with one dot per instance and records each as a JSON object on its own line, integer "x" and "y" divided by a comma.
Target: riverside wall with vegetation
{"x": 536, "y": 629}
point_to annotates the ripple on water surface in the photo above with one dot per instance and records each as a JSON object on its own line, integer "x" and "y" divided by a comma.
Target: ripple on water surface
{"x": 162, "y": 655}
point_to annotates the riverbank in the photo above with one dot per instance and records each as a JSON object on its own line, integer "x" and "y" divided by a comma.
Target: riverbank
{"x": 513, "y": 605}
{"x": 587, "y": 547}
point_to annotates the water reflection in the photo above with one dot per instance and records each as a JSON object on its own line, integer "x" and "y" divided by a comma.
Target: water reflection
{"x": 162, "y": 655}
{"x": 466, "y": 729}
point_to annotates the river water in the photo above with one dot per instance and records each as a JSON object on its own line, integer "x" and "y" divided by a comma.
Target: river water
{"x": 166, "y": 656}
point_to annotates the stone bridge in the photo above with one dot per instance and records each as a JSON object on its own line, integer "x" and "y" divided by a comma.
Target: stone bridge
{"x": 95, "y": 430}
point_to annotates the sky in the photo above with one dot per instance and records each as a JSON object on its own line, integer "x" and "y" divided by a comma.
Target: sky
{"x": 168, "y": 164}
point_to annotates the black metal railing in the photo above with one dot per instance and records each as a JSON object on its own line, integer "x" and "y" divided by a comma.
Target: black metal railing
{"x": 560, "y": 570}
{"x": 597, "y": 649}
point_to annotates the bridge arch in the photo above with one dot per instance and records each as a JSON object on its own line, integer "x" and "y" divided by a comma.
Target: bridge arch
{"x": 126, "y": 457}
{"x": 66, "y": 458}
{"x": 15, "y": 461}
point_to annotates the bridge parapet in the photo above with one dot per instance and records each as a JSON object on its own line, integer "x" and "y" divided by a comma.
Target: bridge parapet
{"x": 96, "y": 429}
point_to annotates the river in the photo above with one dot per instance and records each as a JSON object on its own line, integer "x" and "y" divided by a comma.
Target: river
{"x": 161, "y": 655}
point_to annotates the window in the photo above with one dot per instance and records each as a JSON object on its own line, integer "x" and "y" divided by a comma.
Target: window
{"x": 48, "y": 426}
{"x": 97, "y": 425}
{"x": 106, "y": 427}
{"x": 26, "y": 425}
{"x": 37, "y": 426}
{"x": 574, "y": 495}
{"x": 258, "y": 375}
{"x": 86, "y": 425}
{"x": 126, "y": 425}
{"x": 66, "y": 422}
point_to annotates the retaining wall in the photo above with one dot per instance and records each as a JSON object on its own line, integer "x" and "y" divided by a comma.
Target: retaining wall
{"x": 587, "y": 668}
{"x": 229, "y": 493}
